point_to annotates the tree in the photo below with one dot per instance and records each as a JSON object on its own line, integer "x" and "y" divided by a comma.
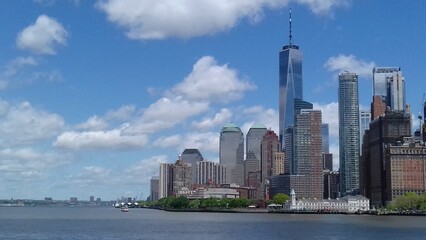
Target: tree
{"x": 280, "y": 198}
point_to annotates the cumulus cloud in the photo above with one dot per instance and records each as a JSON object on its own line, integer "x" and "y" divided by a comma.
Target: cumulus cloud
{"x": 43, "y": 36}
{"x": 330, "y": 115}
{"x": 213, "y": 82}
{"x": 94, "y": 123}
{"x": 220, "y": 118}
{"x": 152, "y": 19}
{"x": 166, "y": 113}
{"x": 98, "y": 140}
{"x": 350, "y": 63}
{"x": 169, "y": 141}
{"x": 22, "y": 124}
{"x": 261, "y": 115}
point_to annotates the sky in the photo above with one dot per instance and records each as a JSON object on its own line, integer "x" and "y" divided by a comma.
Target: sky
{"x": 94, "y": 95}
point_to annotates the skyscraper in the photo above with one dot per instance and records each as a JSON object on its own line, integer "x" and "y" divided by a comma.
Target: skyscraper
{"x": 325, "y": 138}
{"x": 290, "y": 84}
{"x": 364, "y": 124}
{"x": 192, "y": 156}
{"x": 389, "y": 83}
{"x": 231, "y": 153}
{"x": 154, "y": 184}
{"x": 307, "y": 154}
{"x": 348, "y": 133}
{"x": 270, "y": 145}
{"x": 254, "y": 138}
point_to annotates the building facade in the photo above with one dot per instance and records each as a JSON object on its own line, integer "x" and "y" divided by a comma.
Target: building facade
{"x": 154, "y": 188}
{"x": 209, "y": 173}
{"x": 254, "y": 138}
{"x": 231, "y": 153}
{"x": 192, "y": 156}
{"x": 349, "y": 133}
{"x": 290, "y": 84}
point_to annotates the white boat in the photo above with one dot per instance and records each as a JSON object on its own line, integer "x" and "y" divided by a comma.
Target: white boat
{"x": 125, "y": 209}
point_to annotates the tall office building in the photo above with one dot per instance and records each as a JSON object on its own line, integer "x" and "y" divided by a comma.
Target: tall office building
{"x": 290, "y": 84}
{"x": 348, "y": 133}
{"x": 386, "y": 130}
{"x": 192, "y": 156}
{"x": 254, "y": 138}
{"x": 251, "y": 165}
{"x": 307, "y": 154}
{"x": 165, "y": 183}
{"x": 269, "y": 146}
{"x": 325, "y": 138}
{"x": 210, "y": 173}
{"x": 154, "y": 184}
{"x": 182, "y": 179}
{"x": 389, "y": 84}
{"x": 231, "y": 153}
{"x": 364, "y": 124}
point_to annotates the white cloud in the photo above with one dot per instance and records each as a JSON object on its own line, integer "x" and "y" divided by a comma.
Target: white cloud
{"x": 122, "y": 114}
{"x": 261, "y": 115}
{"x": 169, "y": 141}
{"x": 350, "y": 63}
{"x": 166, "y": 113}
{"x": 93, "y": 123}
{"x": 152, "y": 19}
{"x": 220, "y": 118}
{"x": 322, "y": 7}
{"x": 213, "y": 82}
{"x": 43, "y": 36}
{"x": 205, "y": 142}
{"x": 106, "y": 140}
{"x": 22, "y": 124}
{"x": 330, "y": 115}
{"x": 17, "y": 64}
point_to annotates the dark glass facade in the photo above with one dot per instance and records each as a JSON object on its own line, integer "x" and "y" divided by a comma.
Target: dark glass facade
{"x": 290, "y": 86}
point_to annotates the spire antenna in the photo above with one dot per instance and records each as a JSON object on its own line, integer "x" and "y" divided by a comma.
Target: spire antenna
{"x": 289, "y": 36}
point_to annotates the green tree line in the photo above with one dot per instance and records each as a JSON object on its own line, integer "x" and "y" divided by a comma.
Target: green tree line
{"x": 410, "y": 201}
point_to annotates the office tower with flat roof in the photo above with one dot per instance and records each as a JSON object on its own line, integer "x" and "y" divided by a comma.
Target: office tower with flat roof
{"x": 278, "y": 163}
{"x": 251, "y": 165}
{"x": 290, "y": 84}
{"x": 231, "y": 153}
{"x": 325, "y": 138}
{"x": 165, "y": 183}
{"x": 389, "y": 84}
{"x": 364, "y": 124}
{"x": 154, "y": 187}
{"x": 210, "y": 173}
{"x": 192, "y": 156}
{"x": 348, "y": 133}
{"x": 386, "y": 130}
{"x": 307, "y": 154}
{"x": 254, "y": 138}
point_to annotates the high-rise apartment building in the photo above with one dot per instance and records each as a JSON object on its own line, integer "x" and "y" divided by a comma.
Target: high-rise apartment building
{"x": 254, "y": 138}
{"x": 192, "y": 156}
{"x": 231, "y": 153}
{"x": 308, "y": 150}
{"x": 182, "y": 179}
{"x": 269, "y": 146}
{"x": 349, "y": 133}
{"x": 290, "y": 84}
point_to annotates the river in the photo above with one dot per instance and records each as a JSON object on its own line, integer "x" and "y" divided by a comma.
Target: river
{"x": 43, "y": 223}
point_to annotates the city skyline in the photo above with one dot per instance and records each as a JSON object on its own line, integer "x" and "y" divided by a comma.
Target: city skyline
{"x": 95, "y": 96}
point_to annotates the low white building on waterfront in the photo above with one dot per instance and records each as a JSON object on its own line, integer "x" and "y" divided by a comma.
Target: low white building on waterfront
{"x": 346, "y": 204}
{"x": 211, "y": 193}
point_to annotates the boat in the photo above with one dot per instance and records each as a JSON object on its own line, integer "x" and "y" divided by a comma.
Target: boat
{"x": 125, "y": 209}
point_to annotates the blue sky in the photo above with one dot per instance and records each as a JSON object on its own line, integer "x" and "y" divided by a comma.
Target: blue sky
{"x": 95, "y": 94}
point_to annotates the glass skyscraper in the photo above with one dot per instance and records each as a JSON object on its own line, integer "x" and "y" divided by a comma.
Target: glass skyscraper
{"x": 389, "y": 83}
{"x": 231, "y": 153}
{"x": 254, "y": 139}
{"x": 290, "y": 86}
{"x": 349, "y": 133}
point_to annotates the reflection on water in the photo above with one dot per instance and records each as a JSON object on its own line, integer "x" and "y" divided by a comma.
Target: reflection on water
{"x": 110, "y": 223}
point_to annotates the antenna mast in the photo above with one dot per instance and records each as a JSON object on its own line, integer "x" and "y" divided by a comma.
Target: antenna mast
{"x": 290, "y": 27}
